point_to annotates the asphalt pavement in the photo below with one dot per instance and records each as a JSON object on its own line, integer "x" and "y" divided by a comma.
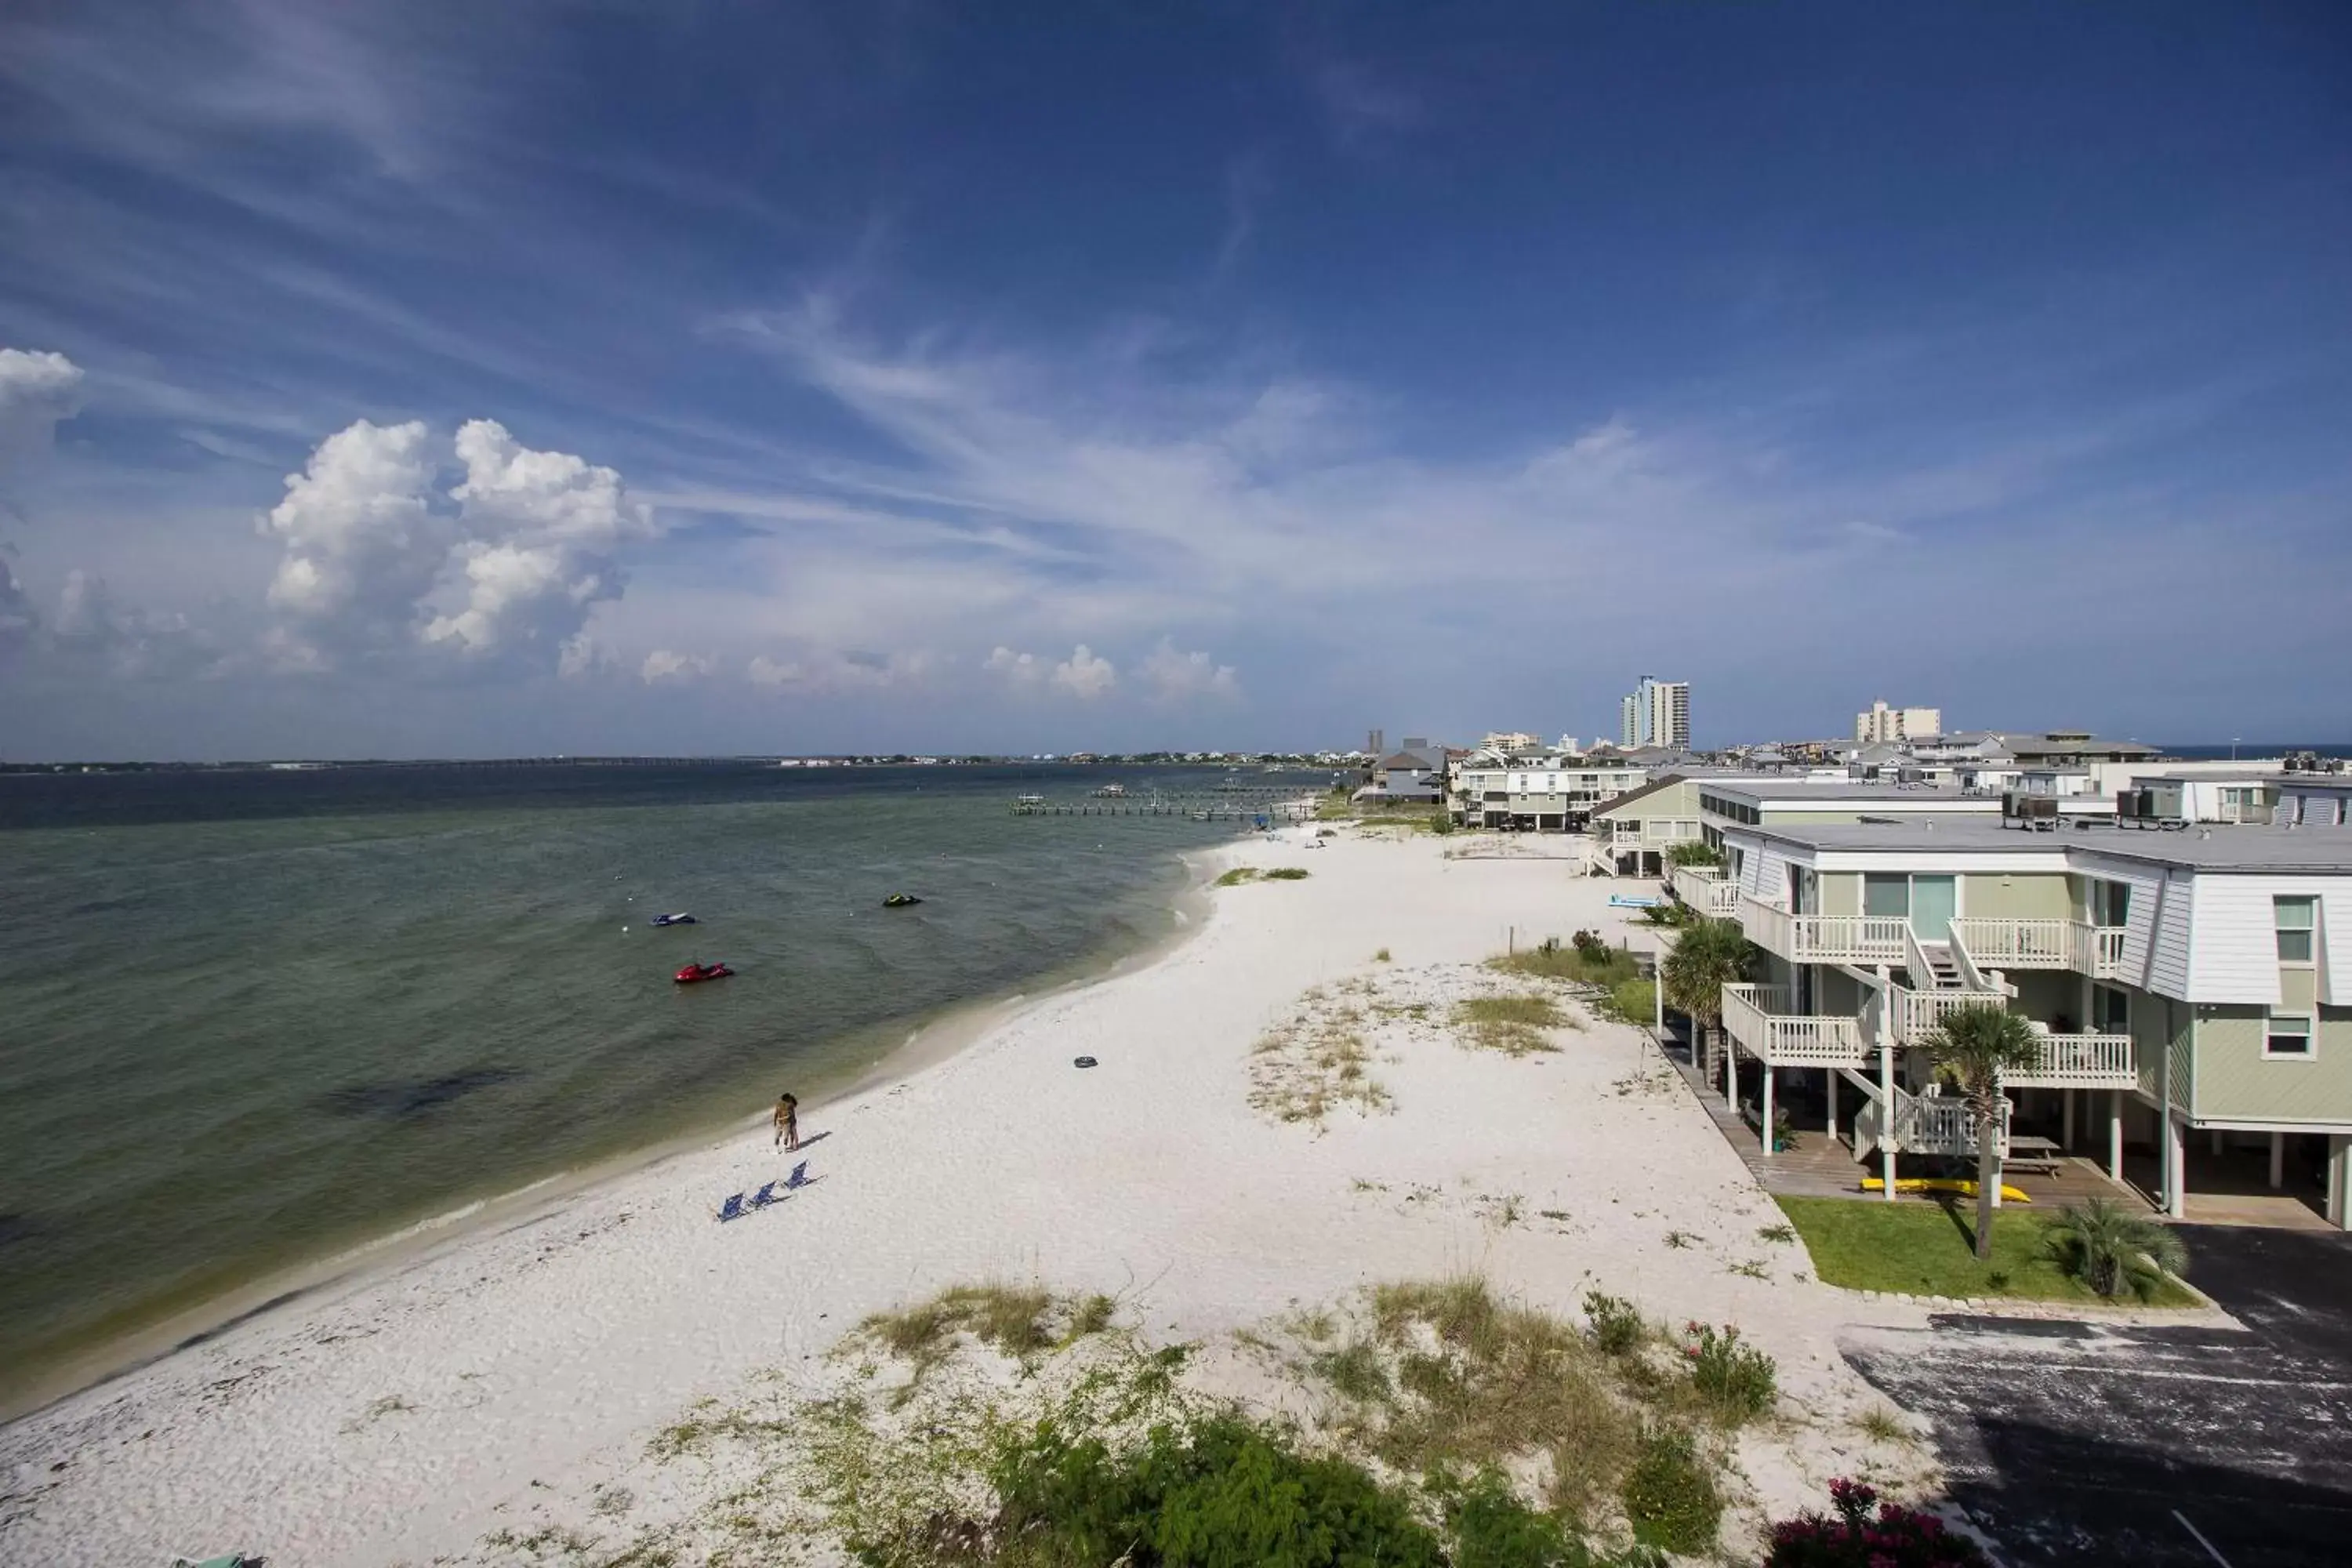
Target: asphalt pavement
{"x": 2073, "y": 1444}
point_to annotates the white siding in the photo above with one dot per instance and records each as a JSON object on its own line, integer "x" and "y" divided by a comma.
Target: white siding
{"x": 1767, "y": 875}
{"x": 2156, "y": 934}
{"x": 2236, "y": 955}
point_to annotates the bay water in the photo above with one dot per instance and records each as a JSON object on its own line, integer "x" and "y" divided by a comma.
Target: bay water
{"x": 248, "y": 1019}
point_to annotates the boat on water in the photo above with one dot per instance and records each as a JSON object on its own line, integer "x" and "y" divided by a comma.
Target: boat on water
{"x": 694, "y": 973}
{"x": 1029, "y": 800}
{"x": 679, "y": 919}
{"x": 1111, "y": 791}
{"x": 900, "y": 901}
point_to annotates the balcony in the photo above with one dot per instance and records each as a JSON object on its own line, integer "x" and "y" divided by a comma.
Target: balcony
{"x": 1824, "y": 939}
{"x": 1756, "y": 1016}
{"x": 1912, "y": 1015}
{"x": 2095, "y": 951}
{"x": 2080, "y": 1061}
{"x": 1703, "y": 890}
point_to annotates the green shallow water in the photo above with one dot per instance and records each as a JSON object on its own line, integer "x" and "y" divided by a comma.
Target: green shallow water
{"x": 302, "y": 1015}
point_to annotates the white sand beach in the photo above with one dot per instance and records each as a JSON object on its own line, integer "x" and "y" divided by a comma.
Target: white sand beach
{"x": 404, "y": 1416}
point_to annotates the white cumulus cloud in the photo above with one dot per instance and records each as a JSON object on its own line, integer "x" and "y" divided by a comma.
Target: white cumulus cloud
{"x": 1085, "y": 674}
{"x": 37, "y": 389}
{"x": 363, "y": 546}
{"x": 1023, "y": 669}
{"x": 1174, "y": 675}
{"x": 505, "y": 566}
{"x": 542, "y": 529}
{"x": 664, "y": 664}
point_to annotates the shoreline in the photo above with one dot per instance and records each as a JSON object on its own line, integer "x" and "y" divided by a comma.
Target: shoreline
{"x": 510, "y": 1384}
{"x": 930, "y": 1042}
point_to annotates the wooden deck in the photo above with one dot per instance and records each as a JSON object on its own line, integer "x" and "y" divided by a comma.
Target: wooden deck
{"x": 1820, "y": 1167}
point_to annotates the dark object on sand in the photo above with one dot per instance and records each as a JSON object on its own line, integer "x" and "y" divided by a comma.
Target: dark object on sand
{"x": 900, "y": 901}
{"x": 1084, "y": 1062}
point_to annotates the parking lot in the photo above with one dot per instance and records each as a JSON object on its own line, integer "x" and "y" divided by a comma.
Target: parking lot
{"x": 2073, "y": 1444}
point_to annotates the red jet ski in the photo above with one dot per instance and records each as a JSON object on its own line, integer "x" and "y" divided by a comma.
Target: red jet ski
{"x": 693, "y": 972}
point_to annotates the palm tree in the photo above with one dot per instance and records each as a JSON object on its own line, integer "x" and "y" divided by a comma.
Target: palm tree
{"x": 2112, "y": 1250}
{"x": 1709, "y": 955}
{"x": 1973, "y": 1046}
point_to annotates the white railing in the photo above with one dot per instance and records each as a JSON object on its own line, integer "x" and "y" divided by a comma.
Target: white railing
{"x": 2095, "y": 951}
{"x": 1824, "y": 939}
{"x": 1755, "y": 1016}
{"x": 1942, "y": 1124}
{"x": 1914, "y": 1013}
{"x": 2080, "y": 1061}
{"x": 1703, "y": 890}
{"x": 2023, "y": 943}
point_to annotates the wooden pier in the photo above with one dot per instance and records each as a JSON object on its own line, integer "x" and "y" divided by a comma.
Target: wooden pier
{"x": 1285, "y": 806}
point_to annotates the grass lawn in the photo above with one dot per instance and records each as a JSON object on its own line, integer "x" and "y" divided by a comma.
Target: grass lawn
{"x": 1921, "y": 1249}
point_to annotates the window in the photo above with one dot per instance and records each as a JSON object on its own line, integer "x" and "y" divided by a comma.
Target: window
{"x": 2294, "y": 918}
{"x": 2288, "y": 1035}
{"x": 2110, "y": 1011}
{"x": 1887, "y": 894}
{"x": 2110, "y": 904}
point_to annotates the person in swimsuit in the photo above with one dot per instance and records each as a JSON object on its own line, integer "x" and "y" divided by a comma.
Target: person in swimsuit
{"x": 788, "y": 1121}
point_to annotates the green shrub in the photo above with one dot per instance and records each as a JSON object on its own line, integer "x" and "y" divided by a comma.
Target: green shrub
{"x": 2113, "y": 1250}
{"x": 1670, "y": 1499}
{"x": 1218, "y": 1493}
{"x": 1693, "y": 852}
{"x": 1631, "y": 1001}
{"x": 1738, "y": 1382}
{"x": 1287, "y": 874}
{"x": 1617, "y": 1325}
{"x": 1237, "y": 876}
{"x": 1493, "y": 1528}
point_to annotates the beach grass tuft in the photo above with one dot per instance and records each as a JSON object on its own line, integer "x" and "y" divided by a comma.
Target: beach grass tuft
{"x": 1287, "y": 874}
{"x": 1315, "y": 1062}
{"x": 1236, "y": 876}
{"x": 1513, "y": 1024}
{"x": 1471, "y": 1382}
{"x": 1017, "y": 1321}
{"x": 1606, "y": 967}
{"x": 1881, "y": 1424}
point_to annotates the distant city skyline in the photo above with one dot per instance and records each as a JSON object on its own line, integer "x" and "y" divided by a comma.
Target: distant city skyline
{"x": 378, "y": 379}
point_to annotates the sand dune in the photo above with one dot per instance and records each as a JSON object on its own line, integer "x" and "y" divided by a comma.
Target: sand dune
{"x": 405, "y": 1416}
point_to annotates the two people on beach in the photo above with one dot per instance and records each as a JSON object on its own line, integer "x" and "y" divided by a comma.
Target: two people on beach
{"x": 788, "y": 1123}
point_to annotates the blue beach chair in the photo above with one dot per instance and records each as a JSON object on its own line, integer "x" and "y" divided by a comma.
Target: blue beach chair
{"x": 798, "y": 1179}
{"x": 765, "y": 1195}
{"x": 731, "y": 1209}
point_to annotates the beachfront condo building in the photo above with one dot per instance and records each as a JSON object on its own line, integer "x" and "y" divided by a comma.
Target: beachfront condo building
{"x": 1881, "y": 723}
{"x": 2190, "y": 992}
{"x": 1656, "y": 713}
{"x": 1535, "y": 793}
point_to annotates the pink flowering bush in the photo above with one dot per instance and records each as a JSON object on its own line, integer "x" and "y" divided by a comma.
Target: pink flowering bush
{"x": 1897, "y": 1537}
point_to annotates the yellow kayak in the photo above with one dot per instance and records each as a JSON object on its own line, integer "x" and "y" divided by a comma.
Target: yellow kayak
{"x": 2009, "y": 1195}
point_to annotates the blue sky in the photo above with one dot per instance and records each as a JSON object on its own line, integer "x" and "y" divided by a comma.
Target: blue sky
{"x": 417, "y": 379}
